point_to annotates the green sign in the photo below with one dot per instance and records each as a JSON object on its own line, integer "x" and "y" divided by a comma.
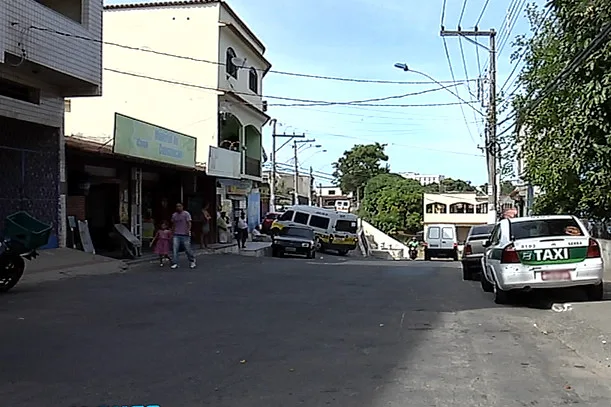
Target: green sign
{"x": 135, "y": 138}
{"x": 563, "y": 255}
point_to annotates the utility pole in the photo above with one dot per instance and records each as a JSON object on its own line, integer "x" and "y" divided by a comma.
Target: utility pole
{"x": 296, "y": 178}
{"x": 311, "y": 186}
{"x": 272, "y": 183}
{"x": 492, "y": 150}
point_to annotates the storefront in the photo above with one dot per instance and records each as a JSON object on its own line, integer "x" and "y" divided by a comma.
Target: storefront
{"x": 136, "y": 181}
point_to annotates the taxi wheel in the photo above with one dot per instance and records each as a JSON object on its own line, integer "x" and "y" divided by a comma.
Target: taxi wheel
{"x": 342, "y": 252}
{"x": 486, "y": 286}
{"x": 595, "y": 292}
{"x": 500, "y": 296}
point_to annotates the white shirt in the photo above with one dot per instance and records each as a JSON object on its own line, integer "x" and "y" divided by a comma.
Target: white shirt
{"x": 242, "y": 224}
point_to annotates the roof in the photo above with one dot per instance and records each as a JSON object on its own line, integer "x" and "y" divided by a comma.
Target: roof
{"x": 174, "y": 3}
{"x": 159, "y": 4}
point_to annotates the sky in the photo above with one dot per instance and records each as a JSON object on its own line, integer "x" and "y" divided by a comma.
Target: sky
{"x": 363, "y": 39}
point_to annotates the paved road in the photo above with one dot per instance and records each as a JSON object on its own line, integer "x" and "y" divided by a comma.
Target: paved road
{"x": 284, "y": 332}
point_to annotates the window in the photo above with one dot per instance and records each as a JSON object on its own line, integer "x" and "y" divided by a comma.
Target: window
{"x": 288, "y": 215}
{"x": 230, "y": 68}
{"x": 461, "y": 207}
{"x": 545, "y": 228}
{"x": 72, "y": 9}
{"x": 67, "y": 105}
{"x": 272, "y": 216}
{"x": 434, "y": 232}
{"x": 298, "y": 232}
{"x": 495, "y": 236}
{"x": 331, "y": 192}
{"x": 319, "y": 222}
{"x": 18, "y": 91}
{"x": 301, "y": 217}
{"x": 345, "y": 226}
{"x": 253, "y": 80}
{"x": 481, "y": 208}
{"x": 436, "y": 207}
{"x": 447, "y": 233}
{"x": 480, "y": 232}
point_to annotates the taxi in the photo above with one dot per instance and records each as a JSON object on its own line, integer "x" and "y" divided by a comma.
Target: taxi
{"x": 541, "y": 252}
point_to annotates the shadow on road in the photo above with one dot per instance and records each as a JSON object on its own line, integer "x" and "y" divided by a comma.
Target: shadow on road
{"x": 235, "y": 332}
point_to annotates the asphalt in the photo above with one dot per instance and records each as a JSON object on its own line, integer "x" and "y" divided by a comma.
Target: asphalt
{"x": 265, "y": 332}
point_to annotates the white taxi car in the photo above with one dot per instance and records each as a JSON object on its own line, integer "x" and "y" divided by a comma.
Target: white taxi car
{"x": 541, "y": 252}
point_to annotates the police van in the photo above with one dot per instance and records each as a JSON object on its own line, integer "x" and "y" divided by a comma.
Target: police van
{"x": 334, "y": 230}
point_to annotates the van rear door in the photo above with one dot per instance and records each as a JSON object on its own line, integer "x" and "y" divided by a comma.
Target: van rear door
{"x": 447, "y": 237}
{"x": 433, "y": 237}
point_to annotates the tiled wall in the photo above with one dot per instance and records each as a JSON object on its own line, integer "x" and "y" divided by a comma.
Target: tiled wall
{"x": 40, "y": 191}
{"x": 76, "y": 57}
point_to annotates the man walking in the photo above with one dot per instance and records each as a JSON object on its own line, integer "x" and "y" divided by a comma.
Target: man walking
{"x": 181, "y": 228}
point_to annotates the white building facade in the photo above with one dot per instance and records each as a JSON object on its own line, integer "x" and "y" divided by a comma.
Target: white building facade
{"x": 461, "y": 209}
{"x": 49, "y": 50}
{"x": 189, "y": 66}
{"x": 424, "y": 179}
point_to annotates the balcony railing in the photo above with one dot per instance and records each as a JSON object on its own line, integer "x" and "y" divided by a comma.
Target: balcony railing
{"x": 253, "y": 167}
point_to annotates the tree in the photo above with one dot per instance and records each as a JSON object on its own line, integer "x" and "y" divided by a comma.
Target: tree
{"x": 393, "y": 204}
{"x": 449, "y": 185}
{"x": 564, "y": 125}
{"x": 358, "y": 165}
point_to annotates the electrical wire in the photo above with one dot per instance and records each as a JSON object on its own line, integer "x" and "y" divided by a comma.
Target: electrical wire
{"x": 479, "y": 19}
{"x": 286, "y": 73}
{"x": 462, "y": 12}
{"x": 306, "y": 102}
{"x": 443, "y": 12}
{"x": 511, "y": 27}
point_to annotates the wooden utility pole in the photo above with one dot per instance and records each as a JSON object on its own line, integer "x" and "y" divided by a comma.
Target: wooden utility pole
{"x": 492, "y": 145}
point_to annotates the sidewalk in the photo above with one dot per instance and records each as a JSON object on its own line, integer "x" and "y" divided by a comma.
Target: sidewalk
{"x": 58, "y": 264}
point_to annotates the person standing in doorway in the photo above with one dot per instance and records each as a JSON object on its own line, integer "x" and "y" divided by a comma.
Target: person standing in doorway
{"x": 181, "y": 228}
{"x": 206, "y": 218}
{"x": 242, "y": 231}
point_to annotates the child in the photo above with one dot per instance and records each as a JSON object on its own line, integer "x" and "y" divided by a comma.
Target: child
{"x": 162, "y": 242}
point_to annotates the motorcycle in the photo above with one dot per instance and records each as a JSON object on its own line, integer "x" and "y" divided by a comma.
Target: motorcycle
{"x": 413, "y": 253}
{"x": 23, "y": 235}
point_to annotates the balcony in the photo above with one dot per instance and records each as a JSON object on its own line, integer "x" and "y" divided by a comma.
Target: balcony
{"x": 253, "y": 167}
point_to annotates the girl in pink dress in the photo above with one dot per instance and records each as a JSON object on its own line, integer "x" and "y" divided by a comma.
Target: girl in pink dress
{"x": 162, "y": 243}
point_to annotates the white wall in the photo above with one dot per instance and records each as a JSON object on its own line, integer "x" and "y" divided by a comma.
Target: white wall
{"x": 453, "y": 218}
{"x": 75, "y": 57}
{"x": 181, "y": 30}
{"x": 382, "y": 240}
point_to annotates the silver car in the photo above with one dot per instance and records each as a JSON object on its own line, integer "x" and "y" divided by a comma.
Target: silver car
{"x": 474, "y": 251}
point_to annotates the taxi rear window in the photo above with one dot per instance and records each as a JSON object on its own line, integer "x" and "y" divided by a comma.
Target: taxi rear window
{"x": 538, "y": 228}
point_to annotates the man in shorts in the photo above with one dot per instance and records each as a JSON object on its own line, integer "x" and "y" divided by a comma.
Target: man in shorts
{"x": 181, "y": 228}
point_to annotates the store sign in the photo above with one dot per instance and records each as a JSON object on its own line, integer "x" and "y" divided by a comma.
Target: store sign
{"x": 138, "y": 139}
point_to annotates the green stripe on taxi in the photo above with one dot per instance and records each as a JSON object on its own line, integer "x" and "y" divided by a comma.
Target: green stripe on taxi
{"x": 561, "y": 255}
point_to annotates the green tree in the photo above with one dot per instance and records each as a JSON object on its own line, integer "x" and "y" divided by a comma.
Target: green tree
{"x": 449, "y": 185}
{"x": 358, "y": 165}
{"x": 393, "y": 204}
{"x": 564, "y": 124}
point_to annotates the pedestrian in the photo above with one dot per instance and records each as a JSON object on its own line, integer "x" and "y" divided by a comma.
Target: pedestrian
{"x": 242, "y": 230}
{"x": 162, "y": 242}
{"x": 181, "y": 228}
{"x": 221, "y": 223}
{"x": 205, "y": 226}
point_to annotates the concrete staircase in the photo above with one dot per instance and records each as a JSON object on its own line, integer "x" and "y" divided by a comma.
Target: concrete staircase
{"x": 375, "y": 243}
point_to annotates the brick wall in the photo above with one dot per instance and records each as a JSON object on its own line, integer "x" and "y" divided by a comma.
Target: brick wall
{"x": 76, "y": 206}
{"x": 38, "y": 192}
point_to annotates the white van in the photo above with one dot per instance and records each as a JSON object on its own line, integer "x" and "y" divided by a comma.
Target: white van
{"x": 440, "y": 241}
{"x": 334, "y": 230}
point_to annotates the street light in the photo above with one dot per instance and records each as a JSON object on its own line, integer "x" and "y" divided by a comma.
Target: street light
{"x": 310, "y": 157}
{"x": 405, "y": 68}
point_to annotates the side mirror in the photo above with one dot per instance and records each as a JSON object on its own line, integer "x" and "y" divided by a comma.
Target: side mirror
{"x": 487, "y": 243}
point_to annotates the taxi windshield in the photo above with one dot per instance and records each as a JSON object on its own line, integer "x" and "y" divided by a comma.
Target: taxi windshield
{"x": 538, "y": 228}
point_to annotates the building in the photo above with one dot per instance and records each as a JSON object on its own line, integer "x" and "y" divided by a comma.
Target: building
{"x": 332, "y": 197}
{"x": 193, "y": 68}
{"x": 42, "y": 60}
{"x": 285, "y": 188}
{"x": 424, "y": 179}
{"x": 461, "y": 209}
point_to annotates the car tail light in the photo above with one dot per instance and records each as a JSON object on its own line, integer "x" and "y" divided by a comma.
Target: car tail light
{"x": 593, "y": 249}
{"x": 468, "y": 249}
{"x": 455, "y": 245}
{"x": 510, "y": 255}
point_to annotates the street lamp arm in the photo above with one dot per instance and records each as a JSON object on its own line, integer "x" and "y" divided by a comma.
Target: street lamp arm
{"x": 405, "y": 68}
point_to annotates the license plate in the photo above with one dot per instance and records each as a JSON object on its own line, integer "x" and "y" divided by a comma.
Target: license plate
{"x": 291, "y": 249}
{"x": 555, "y": 275}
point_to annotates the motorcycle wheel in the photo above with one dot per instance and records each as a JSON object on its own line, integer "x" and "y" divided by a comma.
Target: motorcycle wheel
{"x": 11, "y": 270}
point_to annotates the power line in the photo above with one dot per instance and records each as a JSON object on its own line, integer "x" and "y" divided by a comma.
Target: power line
{"x": 307, "y": 102}
{"x": 511, "y": 27}
{"x": 373, "y": 104}
{"x": 462, "y": 12}
{"x": 482, "y": 13}
{"x": 167, "y": 54}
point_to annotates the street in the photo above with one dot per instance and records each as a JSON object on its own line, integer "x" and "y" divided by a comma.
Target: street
{"x": 241, "y": 331}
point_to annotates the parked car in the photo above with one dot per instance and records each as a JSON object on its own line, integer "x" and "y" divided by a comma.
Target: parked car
{"x": 294, "y": 240}
{"x": 474, "y": 250}
{"x": 541, "y": 252}
{"x": 268, "y": 220}
{"x": 441, "y": 241}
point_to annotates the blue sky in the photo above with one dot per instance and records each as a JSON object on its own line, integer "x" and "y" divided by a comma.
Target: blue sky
{"x": 363, "y": 39}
